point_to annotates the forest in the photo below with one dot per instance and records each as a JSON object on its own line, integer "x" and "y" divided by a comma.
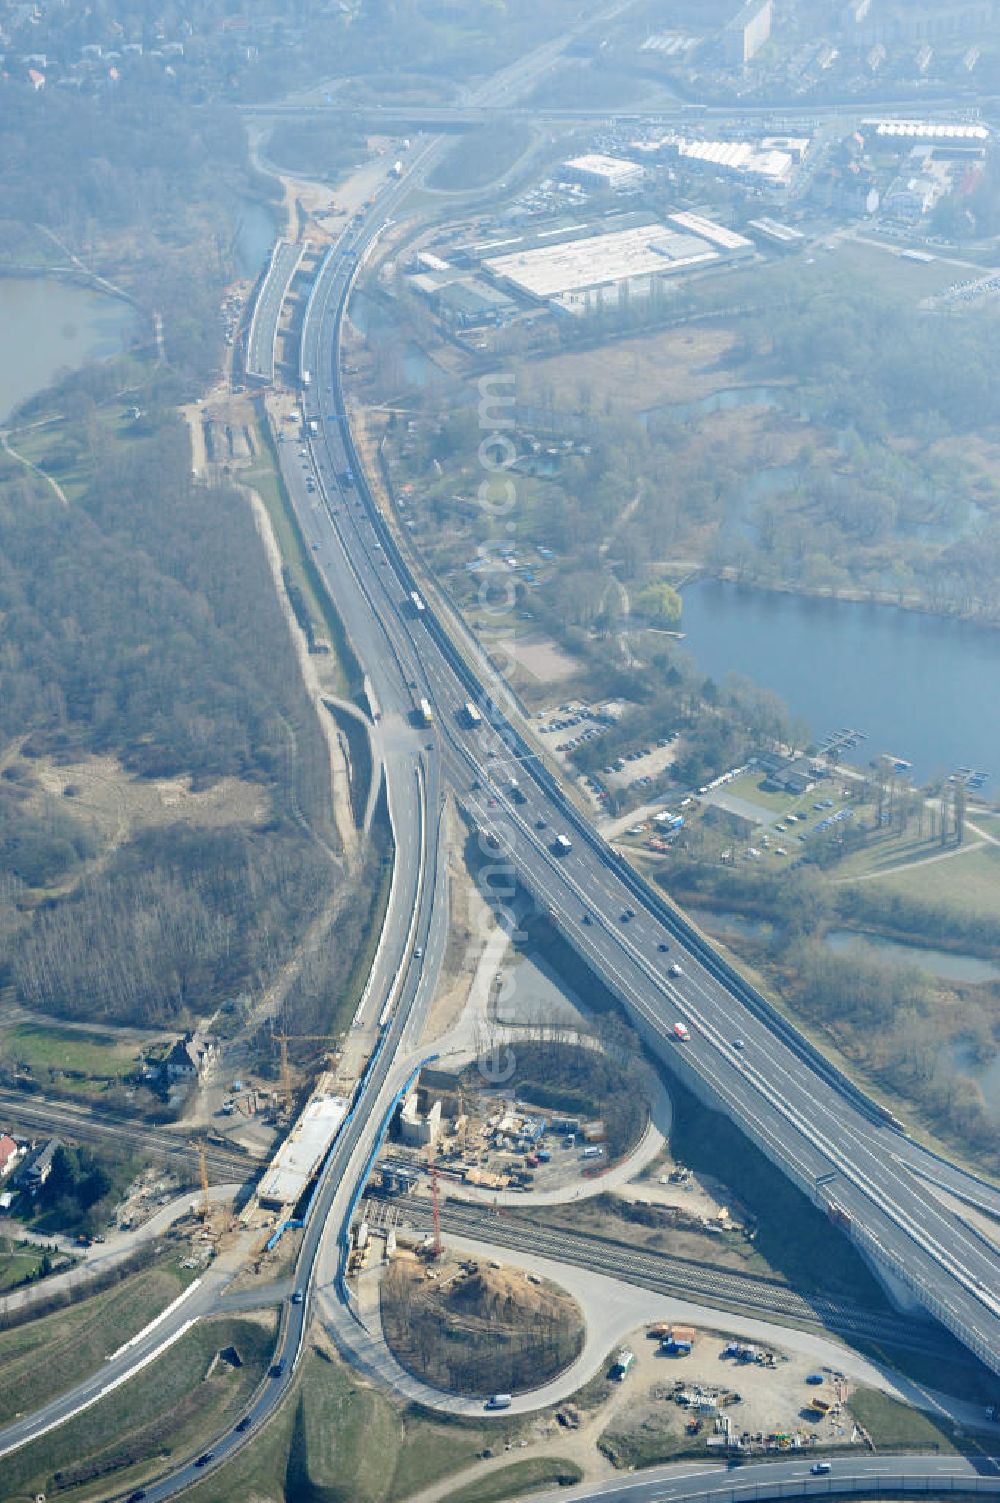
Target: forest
{"x": 188, "y": 670}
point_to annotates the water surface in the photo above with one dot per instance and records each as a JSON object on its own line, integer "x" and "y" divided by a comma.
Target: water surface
{"x": 47, "y": 326}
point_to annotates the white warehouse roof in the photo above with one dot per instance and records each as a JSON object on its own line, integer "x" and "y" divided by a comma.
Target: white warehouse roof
{"x": 715, "y": 234}
{"x": 610, "y": 170}
{"x": 929, "y": 130}
{"x": 299, "y": 1156}
{"x": 602, "y": 260}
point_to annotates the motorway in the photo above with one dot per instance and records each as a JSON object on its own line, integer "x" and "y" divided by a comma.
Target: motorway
{"x": 860, "y": 1476}
{"x": 804, "y": 1118}
{"x": 821, "y": 1132}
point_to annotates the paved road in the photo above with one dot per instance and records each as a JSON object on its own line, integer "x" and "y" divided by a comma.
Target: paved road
{"x": 263, "y": 330}
{"x": 860, "y": 1476}
{"x": 741, "y": 1056}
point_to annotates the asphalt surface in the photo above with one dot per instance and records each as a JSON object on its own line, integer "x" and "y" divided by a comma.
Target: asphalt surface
{"x": 829, "y": 1140}
{"x": 804, "y": 1121}
{"x": 267, "y": 310}
{"x": 860, "y": 1476}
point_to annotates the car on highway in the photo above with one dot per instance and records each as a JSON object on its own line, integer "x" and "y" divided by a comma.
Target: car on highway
{"x": 586, "y": 919}
{"x": 418, "y": 952}
{"x": 663, "y": 946}
{"x": 204, "y": 1458}
{"x": 739, "y": 1044}
{"x": 137, "y": 1496}
{"x": 278, "y": 1368}
{"x": 820, "y": 1468}
{"x": 298, "y": 1297}
{"x": 682, "y": 1032}
{"x": 627, "y": 915}
{"x": 674, "y": 970}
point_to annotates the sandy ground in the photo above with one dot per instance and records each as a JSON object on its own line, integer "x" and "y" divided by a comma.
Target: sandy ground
{"x": 475, "y": 945}
{"x": 120, "y": 803}
{"x": 543, "y": 660}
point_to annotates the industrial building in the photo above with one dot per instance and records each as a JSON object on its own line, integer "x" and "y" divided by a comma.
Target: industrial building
{"x": 302, "y": 1152}
{"x": 597, "y": 171}
{"x": 575, "y": 275}
{"x": 759, "y": 165}
{"x": 747, "y": 32}
{"x": 778, "y": 236}
{"x": 930, "y": 131}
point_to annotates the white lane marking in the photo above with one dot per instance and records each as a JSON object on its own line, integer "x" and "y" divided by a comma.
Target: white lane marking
{"x": 102, "y": 1393}
{"x": 157, "y": 1321}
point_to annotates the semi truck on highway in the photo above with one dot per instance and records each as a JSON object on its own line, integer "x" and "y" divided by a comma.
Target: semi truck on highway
{"x": 424, "y": 712}
{"x": 307, "y": 378}
{"x": 473, "y": 719}
{"x": 416, "y": 601}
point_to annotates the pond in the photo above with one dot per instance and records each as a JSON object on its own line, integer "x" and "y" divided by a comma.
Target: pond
{"x": 47, "y": 326}
{"x": 375, "y": 321}
{"x": 724, "y": 400}
{"x": 921, "y": 687}
{"x": 947, "y": 965}
{"x": 255, "y": 235}
{"x": 986, "y": 1073}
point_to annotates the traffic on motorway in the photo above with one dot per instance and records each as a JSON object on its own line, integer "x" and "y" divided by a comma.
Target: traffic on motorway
{"x": 836, "y": 1146}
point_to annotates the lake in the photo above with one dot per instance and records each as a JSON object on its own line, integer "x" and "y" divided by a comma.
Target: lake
{"x": 47, "y": 326}
{"x": 922, "y": 687}
{"x": 254, "y": 239}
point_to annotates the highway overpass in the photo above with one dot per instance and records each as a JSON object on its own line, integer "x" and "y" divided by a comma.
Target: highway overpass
{"x": 262, "y": 336}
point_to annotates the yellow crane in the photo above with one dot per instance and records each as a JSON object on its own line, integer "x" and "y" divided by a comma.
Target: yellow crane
{"x": 205, "y": 1205}
{"x": 284, "y": 1039}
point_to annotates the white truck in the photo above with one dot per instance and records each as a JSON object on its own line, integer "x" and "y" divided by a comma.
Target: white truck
{"x": 562, "y": 845}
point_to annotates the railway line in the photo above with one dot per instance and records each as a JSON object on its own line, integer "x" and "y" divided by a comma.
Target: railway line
{"x": 682, "y": 1278}
{"x": 65, "y": 1118}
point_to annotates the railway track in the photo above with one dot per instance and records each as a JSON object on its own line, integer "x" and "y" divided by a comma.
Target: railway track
{"x": 82, "y": 1124}
{"x": 681, "y": 1278}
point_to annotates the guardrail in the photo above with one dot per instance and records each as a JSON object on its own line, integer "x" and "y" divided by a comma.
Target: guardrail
{"x": 719, "y": 968}
{"x": 679, "y": 927}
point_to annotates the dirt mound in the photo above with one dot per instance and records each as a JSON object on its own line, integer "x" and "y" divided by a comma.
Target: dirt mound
{"x": 496, "y": 1296}
{"x": 478, "y": 1330}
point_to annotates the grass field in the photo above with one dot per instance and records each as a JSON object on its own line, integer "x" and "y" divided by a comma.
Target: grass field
{"x": 21, "y": 1261}
{"x": 173, "y": 1406}
{"x": 969, "y": 881}
{"x": 98, "y": 1055}
{"x": 58, "y": 452}
{"x": 897, "y": 1427}
{"x": 45, "y": 1357}
{"x": 340, "y": 1441}
{"x": 515, "y": 1480}
{"x": 748, "y": 788}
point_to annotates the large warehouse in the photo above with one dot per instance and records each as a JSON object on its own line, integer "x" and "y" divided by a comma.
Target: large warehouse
{"x": 573, "y": 274}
